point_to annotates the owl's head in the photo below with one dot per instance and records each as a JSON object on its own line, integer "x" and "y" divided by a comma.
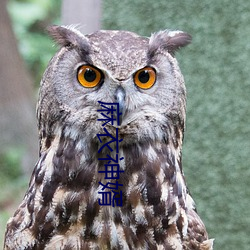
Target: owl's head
{"x": 140, "y": 73}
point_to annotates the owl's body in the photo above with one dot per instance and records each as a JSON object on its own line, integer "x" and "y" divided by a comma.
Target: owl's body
{"x": 61, "y": 208}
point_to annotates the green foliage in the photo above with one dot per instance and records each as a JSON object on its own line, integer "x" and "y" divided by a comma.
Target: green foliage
{"x": 30, "y": 19}
{"x": 216, "y": 69}
{"x": 10, "y": 165}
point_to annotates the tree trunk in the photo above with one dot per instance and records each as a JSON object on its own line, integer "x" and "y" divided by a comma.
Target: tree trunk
{"x": 17, "y": 109}
{"x": 85, "y": 13}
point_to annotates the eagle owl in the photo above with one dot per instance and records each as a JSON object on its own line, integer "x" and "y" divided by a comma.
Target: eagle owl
{"x": 64, "y": 206}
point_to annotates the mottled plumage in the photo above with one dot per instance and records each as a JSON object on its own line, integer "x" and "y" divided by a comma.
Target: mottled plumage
{"x": 60, "y": 209}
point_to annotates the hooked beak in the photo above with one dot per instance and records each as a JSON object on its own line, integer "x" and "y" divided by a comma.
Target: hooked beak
{"x": 120, "y": 99}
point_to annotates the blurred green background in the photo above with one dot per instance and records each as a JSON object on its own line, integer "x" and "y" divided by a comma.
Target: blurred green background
{"x": 216, "y": 68}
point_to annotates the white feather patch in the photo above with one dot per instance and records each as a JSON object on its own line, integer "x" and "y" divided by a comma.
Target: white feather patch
{"x": 185, "y": 222}
{"x": 139, "y": 212}
{"x": 173, "y": 33}
{"x": 164, "y": 191}
{"x": 151, "y": 154}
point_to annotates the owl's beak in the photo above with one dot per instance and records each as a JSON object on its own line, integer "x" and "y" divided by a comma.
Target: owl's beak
{"x": 120, "y": 99}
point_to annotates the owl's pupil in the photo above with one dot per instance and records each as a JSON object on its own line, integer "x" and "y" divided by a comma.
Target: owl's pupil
{"x": 144, "y": 76}
{"x": 89, "y": 75}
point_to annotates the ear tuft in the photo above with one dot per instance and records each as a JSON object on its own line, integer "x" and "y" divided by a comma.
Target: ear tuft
{"x": 168, "y": 40}
{"x": 68, "y": 36}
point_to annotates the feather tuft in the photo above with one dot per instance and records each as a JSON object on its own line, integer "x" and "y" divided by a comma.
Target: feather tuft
{"x": 69, "y": 36}
{"x": 168, "y": 40}
{"x": 207, "y": 244}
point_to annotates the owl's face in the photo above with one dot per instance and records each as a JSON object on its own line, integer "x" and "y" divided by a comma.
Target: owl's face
{"x": 139, "y": 73}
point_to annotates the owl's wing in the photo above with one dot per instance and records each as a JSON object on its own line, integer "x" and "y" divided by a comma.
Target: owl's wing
{"x": 197, "y": 237}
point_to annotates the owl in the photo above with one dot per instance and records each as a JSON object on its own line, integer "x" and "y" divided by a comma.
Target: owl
{"x": 111, "y": 119}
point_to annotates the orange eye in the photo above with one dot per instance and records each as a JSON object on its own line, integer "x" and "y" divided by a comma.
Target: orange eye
{"x": 145, "y": 78}
{"x": 89, "y": 76}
